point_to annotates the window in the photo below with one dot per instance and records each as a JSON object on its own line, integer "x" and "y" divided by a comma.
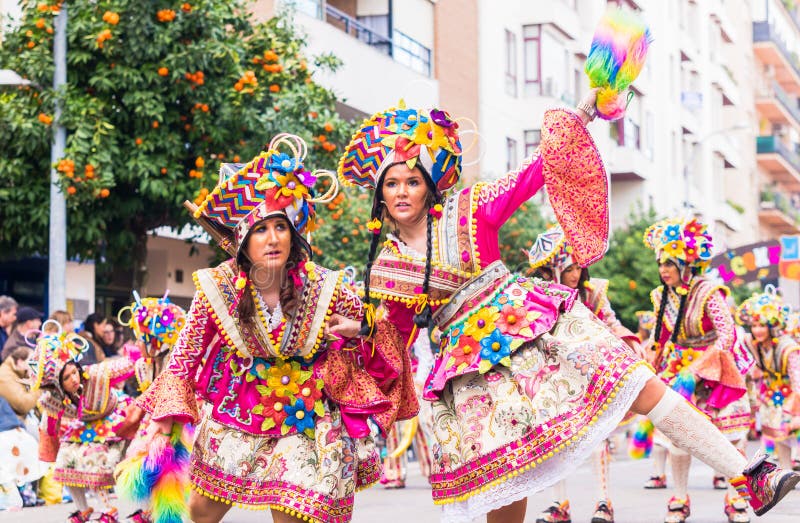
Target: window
{"x": 532, "y": 139}
{"x": 511, "y": 63}
{"x": 511, "y": 154}
{"x": 632, "y": 134}
{"x": 531, "y": 50}
{"x": 178, "y": 275}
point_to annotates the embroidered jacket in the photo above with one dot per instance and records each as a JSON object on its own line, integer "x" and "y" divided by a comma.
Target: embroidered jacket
{"x": 98, "y": 402}
{"x": 486, "y": 312}
{"x": 597, "y": 301}
{"x": 706, "y": 344}
{"x": 275, "y": 382}
{"x": 780, "y": 373}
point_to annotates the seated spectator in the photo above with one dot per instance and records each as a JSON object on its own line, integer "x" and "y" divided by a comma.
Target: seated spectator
{"x": 93, "y": 327}
{"x": 28, "y": 319}
{"x": 14, "y": 382}
{"x": 8, "y": 315}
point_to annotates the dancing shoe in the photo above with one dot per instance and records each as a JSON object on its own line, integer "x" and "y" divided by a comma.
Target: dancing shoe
{"x": 556, "y": 513}
{"x": 656, "y": 482}
{"x": 140, "y": 516}
{"x": 736, "y": 510}
{"x": 603, "y": 512}
{"x": 720, "y": 483}
{"x": 80, "y": 517}
{"x": 796, "y": 465}
{"x": 763, "y": 484}
{"x": 109, "y": 516}
{"x": 393, "y": 484}
{"x": 677, "y": 510}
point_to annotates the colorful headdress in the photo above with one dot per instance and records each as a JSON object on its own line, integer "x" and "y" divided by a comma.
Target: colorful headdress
{"x": 52, "y": 353}
{"x": 647, "y": 320}
{"x": 155, "y": 321}
{"x": 766, "y": 308}
{"x": 274, "y": 182}
{"x": 429, "y": 138}
{"x": 616, "y": 58}
{"x": 551, "y": 249}
{"x": 687, "y": 243}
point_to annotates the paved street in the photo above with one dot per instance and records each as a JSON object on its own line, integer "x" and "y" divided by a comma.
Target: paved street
{"x": 632, "y": 503}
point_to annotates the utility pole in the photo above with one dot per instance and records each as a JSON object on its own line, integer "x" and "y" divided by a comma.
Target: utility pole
{"x": 57, "y": 253}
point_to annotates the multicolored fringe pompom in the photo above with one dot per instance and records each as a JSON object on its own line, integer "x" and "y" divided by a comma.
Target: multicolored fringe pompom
{"x": 616, "y": 58}
{"x": 159, "y": 475}
{"x": 641, "y": 443}
{"x": 684, "y": 384}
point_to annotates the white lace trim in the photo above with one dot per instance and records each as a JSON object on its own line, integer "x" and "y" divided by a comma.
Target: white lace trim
{"x": 556, "y": 468}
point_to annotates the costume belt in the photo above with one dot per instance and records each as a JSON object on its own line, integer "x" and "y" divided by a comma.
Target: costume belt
{"x": 469, "y": 290}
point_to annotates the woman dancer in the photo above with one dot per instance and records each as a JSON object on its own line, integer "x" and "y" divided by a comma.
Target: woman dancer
{"x": 696, "y": 349}
{"x": 776, "y": 372}
{"x": 527, "y": 382}
{"x": 551, "y": 250}
{"x": 84, "y": 429}
{"x": 288, "y": 402}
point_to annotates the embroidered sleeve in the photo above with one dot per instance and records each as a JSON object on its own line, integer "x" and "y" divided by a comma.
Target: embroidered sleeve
{"x": 720, "y": 316}
{"x": 402, "y": 317}
{"x": 498, "y": 200}
{"x": 119, "y": 369}
{"x": 577, "y": 184}
{"x": 793, "y": 369}
{"x": 172, "y": 392}
{"x": 193, "y": 339}
{"x": 348, "y": 304}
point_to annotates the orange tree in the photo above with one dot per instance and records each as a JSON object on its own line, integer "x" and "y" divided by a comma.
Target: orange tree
{"x": 158, "y": 94}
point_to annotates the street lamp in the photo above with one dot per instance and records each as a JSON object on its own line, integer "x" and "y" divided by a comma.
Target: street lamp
{"x": 9, "y": 77}
{"x": 687, "y": 204}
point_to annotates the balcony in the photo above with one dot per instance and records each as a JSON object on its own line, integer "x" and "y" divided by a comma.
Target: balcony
{"x": 778, "y": 106}
{"x": 779, "y": 161}
{"x": 771, "y": 49}
{"x": 777, "y": 211}
{"x": 723, "y": 78}
{"x": 402, "y": 64}
{"x": 627, "y": 164}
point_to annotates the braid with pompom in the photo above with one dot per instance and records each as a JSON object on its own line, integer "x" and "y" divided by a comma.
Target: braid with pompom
{"x": 661, "y": 309}
{"x": 424, "y": 319}
{"x": 366, "y": 328}
{"x": 679, "y": 319}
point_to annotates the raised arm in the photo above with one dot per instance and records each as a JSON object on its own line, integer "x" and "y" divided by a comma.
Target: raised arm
{"x": 498, "y": 200}
{"x": 172, "y": 393}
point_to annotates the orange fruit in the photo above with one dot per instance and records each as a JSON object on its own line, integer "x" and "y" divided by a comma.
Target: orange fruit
{"x": 163, "y": 71}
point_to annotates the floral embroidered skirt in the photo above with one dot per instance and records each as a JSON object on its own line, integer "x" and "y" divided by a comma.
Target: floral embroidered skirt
{"x": 88, "y": 465}
{"x": 309, "y": 478}
{"x": 776, "y": 421}
{"x": 511, "y": 432}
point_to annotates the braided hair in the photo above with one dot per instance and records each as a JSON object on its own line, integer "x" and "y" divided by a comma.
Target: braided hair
{"x": 662, "y": 309}
{"x": 425, "y": 317}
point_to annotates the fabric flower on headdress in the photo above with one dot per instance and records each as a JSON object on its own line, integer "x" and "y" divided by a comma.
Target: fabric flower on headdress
{"x": 275, "y": 182}
{"x": 155, "y": 321}
{"x": 647, "y": 320}
{"x": 765, "y": 308}
{"x": 686, "y": 243}
{"x": 428, "y": 138}
{"x": 552, "y": 250}
{"x": 52, "y": 353}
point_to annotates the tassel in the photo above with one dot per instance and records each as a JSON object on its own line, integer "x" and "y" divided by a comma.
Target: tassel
{"x": 618, "y": 52}
{"x": 159, "y": 474}
{"x": 684, "y": 384}
{"x": 769, "y": 445}
{"x": 641, "y": 443}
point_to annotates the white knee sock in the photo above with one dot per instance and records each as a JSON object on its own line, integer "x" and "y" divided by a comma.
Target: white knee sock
{"x": 659, "y": 455}
{"x": 79, "y": 497}
{"x": 681, "y": 462}
{"x": 692, "y": 431}
{"x": 600, "y": 464}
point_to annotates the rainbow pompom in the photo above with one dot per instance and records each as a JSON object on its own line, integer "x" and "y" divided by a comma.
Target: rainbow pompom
{"x": 641, "y": 443}
{"x": 616, "y": 58}
{"x": 159, "y": 473}
{"x": 769, "y": 445}
{"x": 684, "y": 384}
